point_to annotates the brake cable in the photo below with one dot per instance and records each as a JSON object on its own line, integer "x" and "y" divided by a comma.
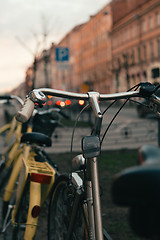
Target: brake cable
{"x": 135, "y": 87}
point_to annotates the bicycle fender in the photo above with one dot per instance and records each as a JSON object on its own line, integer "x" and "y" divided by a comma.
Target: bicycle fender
{"x": 35, "y": 200}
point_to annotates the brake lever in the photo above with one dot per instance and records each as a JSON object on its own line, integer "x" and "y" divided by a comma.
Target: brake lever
{"x": 147, "y": 89}
{"x": 154, "y": 104}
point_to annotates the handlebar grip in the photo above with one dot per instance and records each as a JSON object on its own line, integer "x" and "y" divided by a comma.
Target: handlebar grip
{"x": 25, "y": 113}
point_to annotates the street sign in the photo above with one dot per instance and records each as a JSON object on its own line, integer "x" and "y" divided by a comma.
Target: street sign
{"x": 62, "y": 54}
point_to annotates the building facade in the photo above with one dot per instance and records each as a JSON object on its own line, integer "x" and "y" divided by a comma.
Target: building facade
{"x": 135, "y": 42}
{"x": 90, "y": 55}
{"x": 114, "y": 50}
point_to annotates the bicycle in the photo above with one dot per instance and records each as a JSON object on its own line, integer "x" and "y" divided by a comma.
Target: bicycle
{"x": 13, "y": 131}
{"x": 75, "y": 211}
{"x": 35, "y": 172}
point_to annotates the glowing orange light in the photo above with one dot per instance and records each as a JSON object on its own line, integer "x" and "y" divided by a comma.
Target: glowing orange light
{"x": 67, "y": 102}
{"x": 37, "y": 104}
{"x": 81, "y": 102}
{"x": 49, "y": 102}
{"x": 49, "y": 96}
{"x": 58, "y": 102}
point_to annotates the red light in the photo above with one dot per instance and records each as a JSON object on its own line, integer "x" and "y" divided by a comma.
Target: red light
{"x": 67, "y": 102}
{"x": 49, "y": 102}
{"x": 40, "y": 178}
{"x": 81, "y": 102}
{"x": 36, "y": 211}
{"x": 58, "y": 102}
{"x": 37, "y": 104}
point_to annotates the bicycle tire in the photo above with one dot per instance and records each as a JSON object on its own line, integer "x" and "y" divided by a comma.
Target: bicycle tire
{"x": 60, "y": 209}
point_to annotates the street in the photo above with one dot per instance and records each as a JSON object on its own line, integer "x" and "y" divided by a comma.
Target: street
{"x": 127, "y": 131}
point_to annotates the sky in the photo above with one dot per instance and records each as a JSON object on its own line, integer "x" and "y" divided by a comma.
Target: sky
{"x": 22, "y": 26}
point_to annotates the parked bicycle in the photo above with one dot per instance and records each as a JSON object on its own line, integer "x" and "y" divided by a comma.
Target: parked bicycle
{"x": 75, "y": 211}
{"x": 32, "y": 177}
{"x": 12, "y": 132}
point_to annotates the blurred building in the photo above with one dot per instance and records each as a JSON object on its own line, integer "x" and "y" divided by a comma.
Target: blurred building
{"x": 115, "y": 49}
{"x": 135, "y": 42}
{"x": 90, "y": 55}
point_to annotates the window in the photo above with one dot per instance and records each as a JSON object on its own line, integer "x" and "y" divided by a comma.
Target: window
{"x": 145, "y": 74}
{"x": 133, "y": 57}
{"x": 150, "y": 22}
{"x": 139, "y": 54}
{"x": 138, "y": 29}
{"x": 151, "y": 51}
{"x": 132, "y": 32}
{"x": 158, "y": 19}
{"x": 144, "y": 26}
{"x": 144, "y": 53}
{"x": 158, "y": 47}
{"x": 127, "y": 34}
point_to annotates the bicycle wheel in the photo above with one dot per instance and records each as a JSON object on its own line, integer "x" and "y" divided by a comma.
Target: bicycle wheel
{"x": 60, "y": 211}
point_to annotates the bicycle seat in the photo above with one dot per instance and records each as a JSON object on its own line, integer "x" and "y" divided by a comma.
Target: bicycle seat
{"x": 37, "y": 138}
{"x": 149, "y": 154}
{"x": 137, "y": 186}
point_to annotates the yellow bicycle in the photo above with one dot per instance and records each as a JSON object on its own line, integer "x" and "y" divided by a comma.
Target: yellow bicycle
{"x": 12, "y": 131}
{"x": 36, "y": 174}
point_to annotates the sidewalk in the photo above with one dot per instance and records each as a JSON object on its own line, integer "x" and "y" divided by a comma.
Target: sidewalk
{"x": 128, "y": 135}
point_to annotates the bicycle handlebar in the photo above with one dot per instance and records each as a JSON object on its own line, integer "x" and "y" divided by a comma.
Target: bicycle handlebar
{"x": 38, "y": 95}
{"x": 85, "y": 96}
{"x": 5, "y": 97}
{"x": 11, "y": 97}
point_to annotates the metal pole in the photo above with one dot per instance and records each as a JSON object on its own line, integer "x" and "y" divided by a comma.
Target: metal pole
{"x": 96, "y": 199}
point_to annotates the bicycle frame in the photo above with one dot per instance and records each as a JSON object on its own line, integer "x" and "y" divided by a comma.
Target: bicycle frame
{"x": 39, "y": 189}
{"x": 28, "y": 171}
{"x": 15, "y": 156}
{"x": 14, "y": 128}
{"x": 91, "y": 184}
